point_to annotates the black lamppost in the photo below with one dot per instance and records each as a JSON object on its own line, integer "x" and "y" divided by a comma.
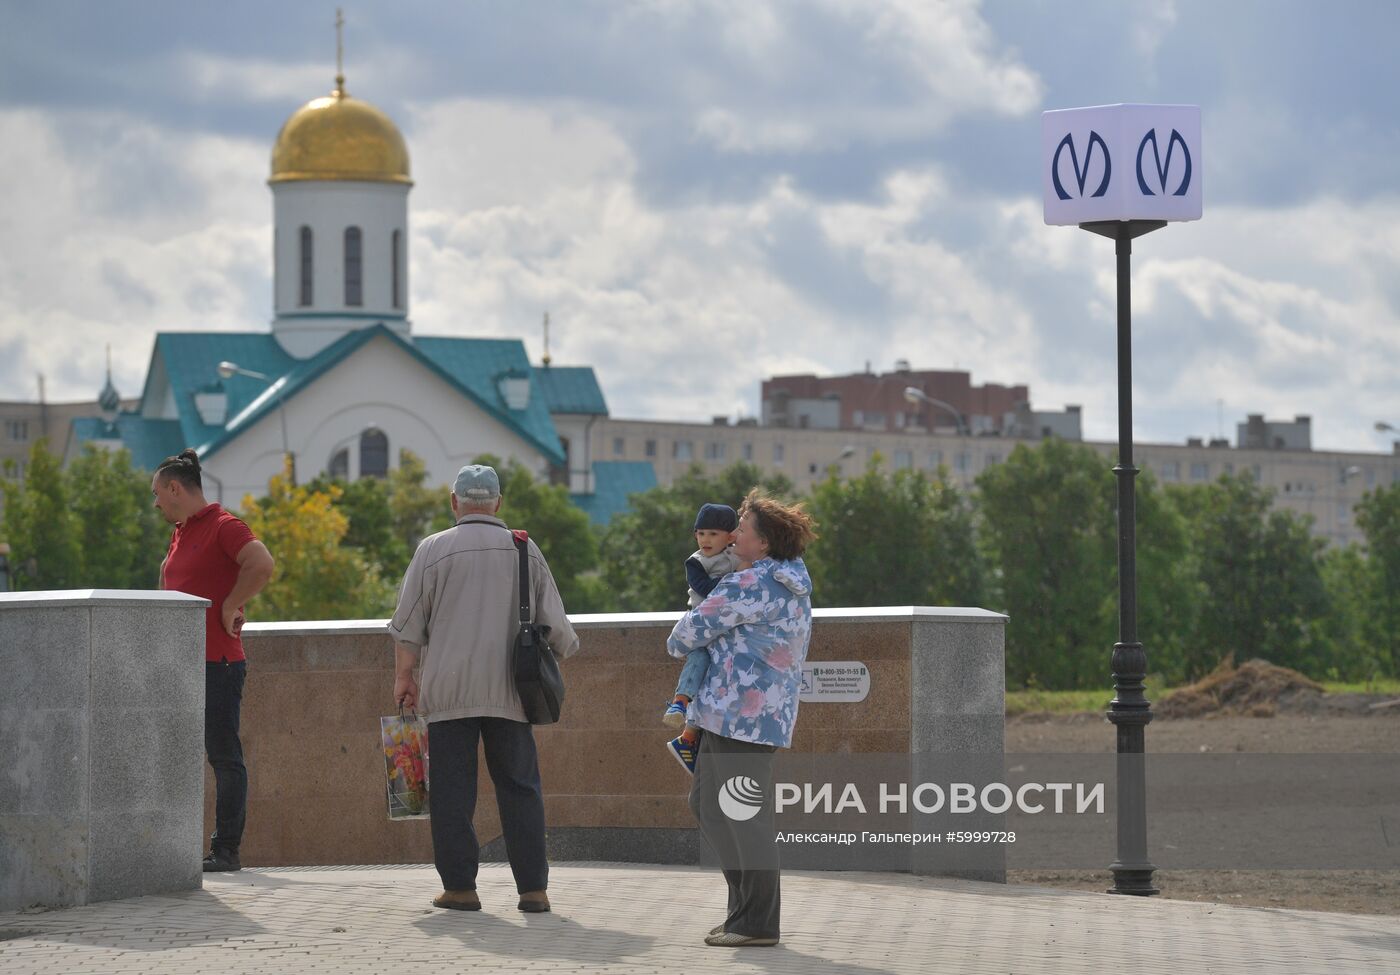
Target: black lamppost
{"x": 1130, "y": 711}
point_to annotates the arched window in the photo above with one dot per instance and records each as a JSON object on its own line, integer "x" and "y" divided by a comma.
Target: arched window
{"x": 339, "y": 468}
{"x": 394, "y": 257}
{"x": 354, "y": 291}
{"x": 374, "y": 454}
{"x": 305, "y": 294}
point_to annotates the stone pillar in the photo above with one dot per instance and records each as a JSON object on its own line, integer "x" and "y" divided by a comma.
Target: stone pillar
{"x": 958, "y": 729}
{"x": 101, "y": 745}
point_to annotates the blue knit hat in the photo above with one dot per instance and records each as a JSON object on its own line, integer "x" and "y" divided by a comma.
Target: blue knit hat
{"x": 716, "y": 517}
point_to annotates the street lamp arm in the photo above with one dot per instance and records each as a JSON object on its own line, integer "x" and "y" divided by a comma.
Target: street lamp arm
{"x": 915, "y": 394}
{"x": 229, "y": 369}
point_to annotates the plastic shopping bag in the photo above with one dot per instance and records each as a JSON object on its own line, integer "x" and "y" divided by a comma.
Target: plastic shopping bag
{"x": 405, "y": 742}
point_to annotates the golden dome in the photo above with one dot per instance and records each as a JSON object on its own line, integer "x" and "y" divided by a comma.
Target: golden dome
{"x": 339, "y": 138}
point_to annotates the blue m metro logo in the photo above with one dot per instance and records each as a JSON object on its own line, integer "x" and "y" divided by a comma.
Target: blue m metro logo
{"x": 1081, "y": 175}
{"x": 1163, "y": 168}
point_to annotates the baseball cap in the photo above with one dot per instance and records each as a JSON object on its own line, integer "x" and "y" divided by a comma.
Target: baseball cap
{"x": 477, "y": 482}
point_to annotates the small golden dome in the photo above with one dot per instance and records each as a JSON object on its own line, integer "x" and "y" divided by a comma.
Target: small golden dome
{"x": 339, "y": 138}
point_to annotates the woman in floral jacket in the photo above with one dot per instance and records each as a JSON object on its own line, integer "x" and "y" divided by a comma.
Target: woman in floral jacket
{"x": 756, "y": 625}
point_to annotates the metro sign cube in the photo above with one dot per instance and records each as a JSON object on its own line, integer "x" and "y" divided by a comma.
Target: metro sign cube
{"x": 1121, "y": 162}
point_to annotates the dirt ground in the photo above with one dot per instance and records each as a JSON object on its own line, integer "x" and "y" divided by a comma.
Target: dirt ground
{"x": 1312, "y": 723}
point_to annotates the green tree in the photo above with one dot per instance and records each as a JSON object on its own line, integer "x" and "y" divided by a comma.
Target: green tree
{"x": 44, "y": 535}
{"x": 371, "y": 528}
{"x": 123, "y": 538}
{"x": 1353, "y": 632}
{"x": 644, "y": 549}
{"x": 1046, "y": 521}
{"x": 1168, "y": 586}
{"x": 317, "y": 577}
{"x": 1258, "y": 576}
{"x": 559, "y": 528}
{"x": 893, "y": 540}
{"x": 1378, "y": 516}
{"x": 415, "y": 510}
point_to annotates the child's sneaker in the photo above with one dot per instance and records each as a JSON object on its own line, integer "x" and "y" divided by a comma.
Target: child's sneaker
{"x": 675, "y": 715}
{"x": 684, "y": 750}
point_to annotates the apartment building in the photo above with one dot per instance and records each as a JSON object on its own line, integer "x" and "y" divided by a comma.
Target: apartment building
{"x": 1325, "y": 485}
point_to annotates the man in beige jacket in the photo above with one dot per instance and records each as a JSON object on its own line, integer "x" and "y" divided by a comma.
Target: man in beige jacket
{"x": 455, "y": 624}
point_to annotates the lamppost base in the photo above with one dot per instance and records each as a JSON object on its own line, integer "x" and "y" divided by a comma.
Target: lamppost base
{"x": 1133, "y": 880}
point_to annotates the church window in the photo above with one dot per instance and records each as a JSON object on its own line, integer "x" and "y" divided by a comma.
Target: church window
{"x": 305, "y": 297}
{"x": 340, "y": 465}
{"x": 354, "y": 289}
{"x": 374, "y": 454}
{"x": 396, "y": 259}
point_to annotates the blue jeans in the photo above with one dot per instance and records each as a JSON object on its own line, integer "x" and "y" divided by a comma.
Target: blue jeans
{"x": 223, "y": 701}
{"x": 513, "y": 763}
{"x": 697, "y": 662}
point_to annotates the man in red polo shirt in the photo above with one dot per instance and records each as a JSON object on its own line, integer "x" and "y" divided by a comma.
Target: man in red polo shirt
{"x": 214, "y": 555}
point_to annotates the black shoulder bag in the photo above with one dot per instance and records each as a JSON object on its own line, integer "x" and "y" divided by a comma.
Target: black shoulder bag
{"x": 536, "y": 669}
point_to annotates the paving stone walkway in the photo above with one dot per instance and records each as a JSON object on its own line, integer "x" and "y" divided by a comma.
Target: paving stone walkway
{"x": 625, "y": 918}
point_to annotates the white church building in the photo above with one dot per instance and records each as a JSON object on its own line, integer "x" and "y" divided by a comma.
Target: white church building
{"x": 341, "y": 382}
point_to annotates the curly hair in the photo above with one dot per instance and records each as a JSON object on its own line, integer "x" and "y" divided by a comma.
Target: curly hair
{"x": 787, "y": 528}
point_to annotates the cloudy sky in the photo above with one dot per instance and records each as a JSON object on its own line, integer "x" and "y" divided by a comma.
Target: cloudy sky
{"x": 706, "y": 193}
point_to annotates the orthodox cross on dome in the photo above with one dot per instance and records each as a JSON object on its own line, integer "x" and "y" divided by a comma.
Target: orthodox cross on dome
{"x": 339, "y": 52}
{"x": 546, "y": 359}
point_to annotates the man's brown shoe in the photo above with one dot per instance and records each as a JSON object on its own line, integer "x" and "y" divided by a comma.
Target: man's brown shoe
{"x": 458, "y": 900}
{"x": 534, "y": 902}
{"x": 717, "y": 929}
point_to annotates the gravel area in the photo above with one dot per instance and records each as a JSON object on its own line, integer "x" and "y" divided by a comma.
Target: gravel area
{"x": 1346, "y": 723}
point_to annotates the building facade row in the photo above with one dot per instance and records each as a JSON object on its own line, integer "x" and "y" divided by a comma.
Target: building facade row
{"x": 1325, "y": 485}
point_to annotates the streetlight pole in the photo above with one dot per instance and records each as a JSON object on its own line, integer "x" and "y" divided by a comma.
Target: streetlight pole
{"x": 916, "y": 395}
{"x": 1129, "y": 711}
{"x": 229, "y": 369}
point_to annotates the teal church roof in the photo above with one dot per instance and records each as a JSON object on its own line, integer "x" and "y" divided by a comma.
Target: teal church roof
{"x": 614, "y": 481}
{"x": 149, "y": 441}
{"x": 571, "y": 389}
{"x": 188, "y": 362}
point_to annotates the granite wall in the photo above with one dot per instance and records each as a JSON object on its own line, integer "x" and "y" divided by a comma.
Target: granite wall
{"x": 101, "y": 745}
{"x": 315, "y": 692}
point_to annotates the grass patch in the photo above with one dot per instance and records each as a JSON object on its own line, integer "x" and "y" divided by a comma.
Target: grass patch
{"x": 1056, "y": 702}
{"x": 1039, "y": 701}
{"x": 1379, "y": 685}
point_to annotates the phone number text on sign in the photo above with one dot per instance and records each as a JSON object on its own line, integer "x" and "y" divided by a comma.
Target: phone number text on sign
{"x": 835, "y": 681}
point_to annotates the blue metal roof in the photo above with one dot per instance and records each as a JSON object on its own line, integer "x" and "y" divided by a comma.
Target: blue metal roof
{"x": 149, "y": 441}
{"x": 475, "y": 365}
{"x": 190, "y": 362}
{"x": 571, "y": 389}
{"x": 614, "y": 481}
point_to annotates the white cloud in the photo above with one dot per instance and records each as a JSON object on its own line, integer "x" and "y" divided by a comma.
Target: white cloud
{"x": 1154, "y": 22}
{"x": 115, "y": 230}
{"x": 211, "y": 76}
{"x": 123, "y": 228}
{"x": 879, "y": 72}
